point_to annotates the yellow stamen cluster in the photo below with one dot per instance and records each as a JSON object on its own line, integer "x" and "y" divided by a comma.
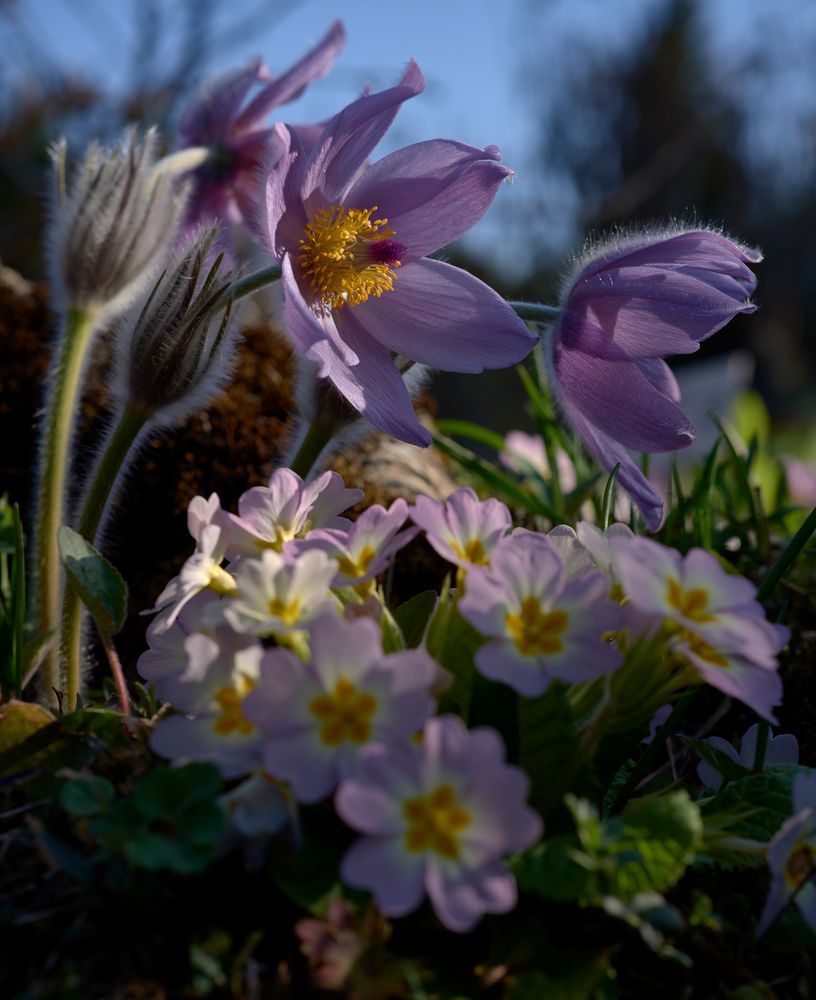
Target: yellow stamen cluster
{"x": 231, "y": 719}
{"x": 336, "y": 258}
{"x": 357, "y": 566}
{"x": 800, "y": 864}
{"x": 435, "y": 822}
{"x": 472, "y": 552}
{"x": 345, "y": 714}
{"x": 288, "y": 612}
{"x": 691, "y": 604}
{"x": 536, "y": 632}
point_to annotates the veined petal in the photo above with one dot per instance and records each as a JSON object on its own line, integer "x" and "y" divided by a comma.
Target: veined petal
{"x": 211, "y": 115}
{"x": 280, "y": 219}
{"x": 661, "y": 377}
{"x": 430, "y": 192}
{"x": 291, "y": 84}
{"x": 442, "y": 316}
{"x": 350, "y": 136}
{"x": 315, "y": 334}
{"x": 617, "y": 396}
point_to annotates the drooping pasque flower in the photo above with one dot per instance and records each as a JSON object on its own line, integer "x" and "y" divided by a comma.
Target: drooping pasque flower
{"x": 226, "y": 185}
{"x": 353, "y": 238}
{"x": 437, "y": 818}
{"x": 628, "y": 305}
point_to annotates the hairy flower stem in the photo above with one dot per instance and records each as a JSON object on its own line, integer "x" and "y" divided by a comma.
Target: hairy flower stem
{"x": 310, "y": 449}
{"x": 60, "y": 407}
{"x": 535, "y": 312}
{"x": 118, "y": 447}
{"x": 252, "y": 282}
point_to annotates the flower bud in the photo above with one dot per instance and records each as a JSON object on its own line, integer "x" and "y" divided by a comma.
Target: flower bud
{"x": 114, "y": 216}
{"x": 175, "y": 343}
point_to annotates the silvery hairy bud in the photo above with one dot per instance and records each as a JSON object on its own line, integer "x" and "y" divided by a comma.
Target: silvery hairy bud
{"x": 115, "y": 214}
{"x": 175, "y": 343}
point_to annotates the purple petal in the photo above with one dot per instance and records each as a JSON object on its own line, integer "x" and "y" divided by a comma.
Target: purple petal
{"x": 280, "y": 219}
{"x": 315, "y": 334}
{"x": 210, "y": 117}
{"x": 380, "y": 865}
{"x": 442, "y": 316}
{"x": 291, "y": 84}
{"x": 430, "y": 192}
{"x": 351, "y": 135}
{"x": 617, "y": 396}
{"x": 661, "y": 377}
{"x": 460, "y": 897}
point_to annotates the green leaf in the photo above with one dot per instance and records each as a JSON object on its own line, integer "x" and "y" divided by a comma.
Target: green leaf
{"x": 453, "y": 642}
{"x": 308, "y": 876}
{"x": 759, "y": 802}
{"x": 557, "y": 869}
{"x": 718, "y": 759}
{"x": 548, "y": 746}
{"x": 392, "y": 638}
{"x": 86, "y": 795}
{"x": 98, "y": 583}
{"x": 169, "y": 791}
{"x": 413, "y": 616}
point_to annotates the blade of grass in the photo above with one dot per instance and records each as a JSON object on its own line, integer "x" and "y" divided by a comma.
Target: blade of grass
{"x": 474, "y": 432}
{"x": 786, "y": 560}
{"x": 609, "y": 498}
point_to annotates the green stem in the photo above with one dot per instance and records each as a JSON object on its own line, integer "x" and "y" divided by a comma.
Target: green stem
{"x": 535, "y": 312}
{"x": 61, "y": 406}
{"x": 762, "y": 745}
{"x": 316, "y": 439}
{"x": 121, "y": 441}
{"x": 252, "y": 282}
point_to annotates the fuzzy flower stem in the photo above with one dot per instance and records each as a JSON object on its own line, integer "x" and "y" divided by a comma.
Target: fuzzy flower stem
{"x": 535, "y": 312}
{"x": 117, "y": 671}
{"x": 311, "y": 447}
{"x": 252, "y": 282}
{"x": 60, "y": 407}
{"x": 121, "y": 441}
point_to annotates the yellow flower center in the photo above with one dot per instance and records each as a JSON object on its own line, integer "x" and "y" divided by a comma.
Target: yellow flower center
{"x": 472, "y": 552}
{"x": 536, "y": 631}
{"x": 231, "y": 719}
{"x": 221, "y": 582}
{"x": 348, "y": 256}
{"x": 700, "y": 648}
{"x": 288, "y": 612}
{"x": 354, "y": 566}
{"x": 800, "y": 864}
{"x": 689, "y": 603}
{"x": 345, "y": 714}
{"x": 435, "y": 822}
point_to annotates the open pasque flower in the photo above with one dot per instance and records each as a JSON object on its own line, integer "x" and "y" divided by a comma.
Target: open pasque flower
{"x": 353, "y": 238}
{"x": 628, "y": 305}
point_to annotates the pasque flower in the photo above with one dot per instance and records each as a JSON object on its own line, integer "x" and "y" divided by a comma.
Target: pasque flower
{"x": 225, "y": 186}
{"x": 353, "y": 240}
{"x": 629, "y": 305}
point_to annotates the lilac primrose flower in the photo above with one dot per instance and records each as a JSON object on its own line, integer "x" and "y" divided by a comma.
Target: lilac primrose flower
{"x": 212, "y": 690}
{"x": 226, "y": 185}
{"x": 543, "y": 627}
{"x": 287, "y": 508}
{"x": 792, "y": 858}
{"x": 353, "y": 240}
{"x": 364, "y": 551}
{"x": 782, "y": 749}
{"x": 316, "y": 716}
{"x": 258, "y": 805}
{"x": 716, "y": 623}
{"x": 525, "y": 454}
{"x": 437, "y": 818}
{"x": 465, "y": 529}
{"x": 628, "y": 305}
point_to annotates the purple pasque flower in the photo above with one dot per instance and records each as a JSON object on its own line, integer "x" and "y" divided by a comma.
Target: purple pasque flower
{"x": 464, "y": 530}
{"x": 782, "y": 749}
{"x": 278, "y": 595}
{"x": 713, "y": 619}
{"x": 792, "y": 858}
{"x": 227, "y": 185}
{"x": 211, "y": 690}
{"x": 629, "y": 304}
{"x": 287, "y": 508}
{"x": 543, "y": 627}
{"x": 316, "y": 716}
{"x": 353, "y": 239}
{"x": 437, "y": 819}
{"x": 365, "y": 549}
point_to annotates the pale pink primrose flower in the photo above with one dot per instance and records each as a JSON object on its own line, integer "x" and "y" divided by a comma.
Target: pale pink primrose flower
{"x": 211, "y": 691}
{"x": 542, "y": 627}
{"x": 287, "y": 508}
{"x": 464, "y": 529}
{"x": 525, "y": 453}
{"x": 792, "y": 858}
{"x": 278, "y": 595}
{"x": 257, "y": 805}
{"x": 782, "y": 749}
{"x": 361, "y": 297}
{"x": 437, "y": 820}
{"x": 577, "y": 560}
{"x": 629, "y": 304}
{"x": 316, "y": 716}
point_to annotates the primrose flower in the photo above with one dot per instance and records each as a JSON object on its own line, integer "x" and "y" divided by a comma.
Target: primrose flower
{"x": 258, "y": 805}
{"x": 782, "y": 749}
{"x": 316, "y": 716}
{"x": 543, "y": 626}
{"x": 628, "y": 305}
{"x": 437, "y": 818}
{"x": 792, "y": 858}
{"x": 212, "y": 690}
{"x": 287, "y": 508}
{"x": 364, "y": 551}
{"x": 525, "y": 454}
{"x": 353, "y": 240}
{"x": 465, "y": 529}
{"x": 226, "y": 185}
{"x": 278, "y": 595}
{"x": 715, "y": 622}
